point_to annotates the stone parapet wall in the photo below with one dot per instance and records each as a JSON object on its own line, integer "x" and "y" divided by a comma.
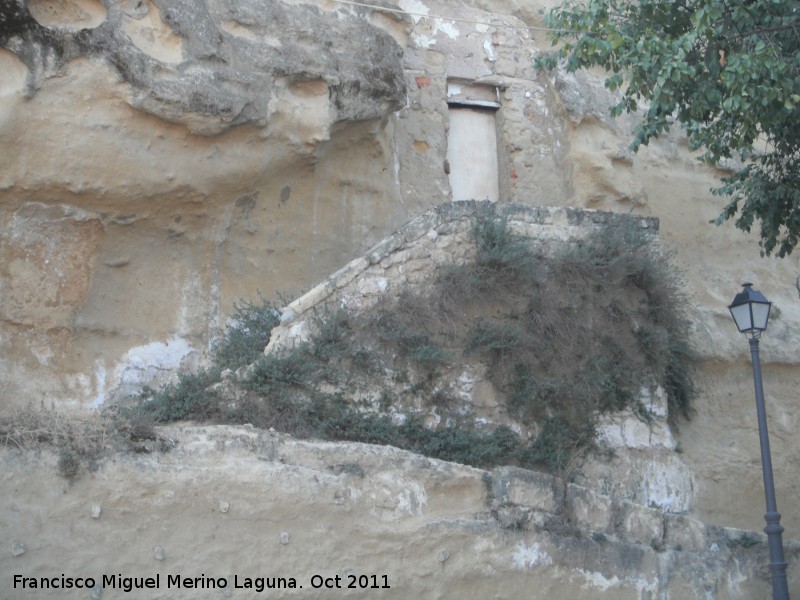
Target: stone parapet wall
{"x": 441, "y": 235}
{"x": 645, "y": 468}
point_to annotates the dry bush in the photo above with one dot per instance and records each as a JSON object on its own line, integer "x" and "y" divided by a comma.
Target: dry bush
{"x": 79, "y": 439}
{"x": 29, "y": 426}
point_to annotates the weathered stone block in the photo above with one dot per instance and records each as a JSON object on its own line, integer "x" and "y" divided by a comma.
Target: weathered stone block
{"x": 418, "y": 227}
{"x": 627, "y": 430}
{"x": 314, "y": 296}
{"x": 372, "y": 286}
{"x": 539, "y": 491}
{"x": 653, "y": 477}
{"x": 459, "y": 210}
{"x": 349, "y": 272}
{"x": 588, "y": 509}
{"x": 395, "y": 258}
{"x": 684, "y": 533}
{"x": 641, "y": 524}
{"x": 384, "y": 248}
{"x": 46, "y": 269}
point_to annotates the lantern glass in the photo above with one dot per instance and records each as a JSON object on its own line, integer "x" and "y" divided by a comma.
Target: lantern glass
{"x": 744, "y": 319}
{"x": 760, "y": 315}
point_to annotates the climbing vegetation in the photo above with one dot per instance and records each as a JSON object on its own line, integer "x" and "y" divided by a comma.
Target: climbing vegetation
{"x": 563, "y": 333}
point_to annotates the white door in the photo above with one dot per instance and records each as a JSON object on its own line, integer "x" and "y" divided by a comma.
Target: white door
{"x": 472, "y": 154}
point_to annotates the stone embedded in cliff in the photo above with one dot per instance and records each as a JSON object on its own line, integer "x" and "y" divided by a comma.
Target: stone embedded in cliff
{"x": 72, "y": 15}
{"x": 583, "y": 96}
{"x": 18, "y": 548}
{"x": 47, "y": 266}
{"x": 211, "y": 66}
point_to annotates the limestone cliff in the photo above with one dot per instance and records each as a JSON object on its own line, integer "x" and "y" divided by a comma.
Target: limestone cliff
{"x": 162, "y": 160}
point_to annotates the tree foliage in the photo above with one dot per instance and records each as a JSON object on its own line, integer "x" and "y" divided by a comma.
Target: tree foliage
{"x": 727, "y": 70}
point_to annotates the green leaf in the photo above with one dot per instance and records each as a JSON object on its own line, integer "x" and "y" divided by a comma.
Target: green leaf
{"x": 729, "y": 72}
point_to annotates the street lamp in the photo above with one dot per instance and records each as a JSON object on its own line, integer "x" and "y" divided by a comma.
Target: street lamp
{"x": 750, "y": 310}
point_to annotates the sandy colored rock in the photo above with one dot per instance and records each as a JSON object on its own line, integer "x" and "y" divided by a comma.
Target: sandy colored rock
{"x": 164, "y": 163}
{"x": 427, "y": 526}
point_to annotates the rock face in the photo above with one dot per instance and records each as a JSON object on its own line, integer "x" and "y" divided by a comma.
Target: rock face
{"x": 235, "y": 503}
{"x": 223, "y": 65}
{"x": 246, "y": 88}
{"x": 164, "y": 160}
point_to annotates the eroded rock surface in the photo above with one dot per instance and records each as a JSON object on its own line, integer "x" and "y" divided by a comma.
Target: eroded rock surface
{"x": 219, "y": 64}
{"x": 236, "y": 502}
{"x": 163, "y": 160}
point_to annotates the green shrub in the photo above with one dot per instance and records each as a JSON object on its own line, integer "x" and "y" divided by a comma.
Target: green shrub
{"x": 292, "y": 368}
{"x": 463, "y": 444}
{"x": 677, "y": 379}
{"x": 746, "y": 540}
{"x": 608, "y": 378}
{"x": 69, "y": 465}
{"x": 244, "y": 341}
{"x": 498, "y": 340}
{"x": 498, "y": 248}
{"x": 411, "y": 339}
{"x": 332, "y": 337}
{"x": 560, "y": 442}
{"x": 189, "y": 398}
{"x": 529, "y": 398}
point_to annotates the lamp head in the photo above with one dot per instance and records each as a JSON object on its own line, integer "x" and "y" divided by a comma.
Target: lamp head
{"x": 750, "y": 310}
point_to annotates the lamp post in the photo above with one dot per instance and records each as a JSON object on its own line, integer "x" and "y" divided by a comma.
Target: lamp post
{"x": 750, "y": 310}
